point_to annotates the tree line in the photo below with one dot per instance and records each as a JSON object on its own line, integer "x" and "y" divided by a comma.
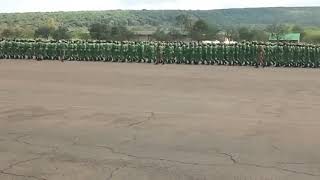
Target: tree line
{"x": 305, "y": 16}
{"x": 185, "y": 27}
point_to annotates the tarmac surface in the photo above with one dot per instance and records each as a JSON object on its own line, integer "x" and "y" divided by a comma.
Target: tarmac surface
{"x": 108, "y": 121}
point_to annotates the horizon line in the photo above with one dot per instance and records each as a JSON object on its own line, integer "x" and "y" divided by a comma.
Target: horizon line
{"x": 22, "y": 12}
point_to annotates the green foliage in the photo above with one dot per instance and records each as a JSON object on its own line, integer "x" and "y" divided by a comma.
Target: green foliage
{"x": 248, "y": 34}
{"x": 277, "y": 30}
{"x": 306, "y": 16}
{"x": 232, "y": 34}
{"x": 83, "y": 34}
{"x": 213, "y": 32}
{"x": 25, "y": 24}
{"x": 175, "y": 35}
{"x": 199, "y": 30}
{"x": 120, "y": 33}
{"x": 184, "y": 21}
{"x": 200, "y": 26}
{"x": 245, "y": 34}
{"x": 298, "y": 29}
{"x": 105, "y": 32}
{"x": 44, "y": 32}
{"x": 312, "y": 35}
{"x": 259, "y": 35}
{"x": 202, "y": 31}
{"x": 11, "y": 33}
{"x": 61, "y": 33}
{"x": 99, "y": 31}
{"x": 160, "y": 35}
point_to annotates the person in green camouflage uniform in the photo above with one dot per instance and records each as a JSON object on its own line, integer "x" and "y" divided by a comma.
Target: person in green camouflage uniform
{"x": 244, "y": 53}
{"x": 2, "y": 53}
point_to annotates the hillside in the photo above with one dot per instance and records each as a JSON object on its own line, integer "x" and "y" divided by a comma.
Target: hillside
{"x": 307, "y": 16}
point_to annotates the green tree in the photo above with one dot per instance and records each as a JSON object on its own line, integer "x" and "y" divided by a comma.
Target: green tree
{"x": 52, "y": 23}
{"x": 160, "y": 35}
{"x": 200, "y": 30}
{"x": 11, "y": 33}
{"x": 175, "y": 34}
{"x": 212, "y": 32}
{"x": 27, "y": 32}
{"x": 121, "y": 33}
{"x": 80, "y": 34}
{"x": 277, "y": 30}
{"x": 299, "y": 29}
{"x": 184, "y": 21}
{"x": 200, "y": 25}
{"x": 312, "y": 38}
{"x": 232, "y": 34}
{"x": 252, "y": 34}
{"x": 103, "y": 31}
{"x": 43, "y": 32}
{"x": 99, "y": 31}
{"x": 259, "y": 35}
{"x": 245, "y": 34}
{"x": 61, "y": 33}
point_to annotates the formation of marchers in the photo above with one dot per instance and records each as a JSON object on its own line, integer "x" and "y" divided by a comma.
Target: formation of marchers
{"x": 241, "y": 54}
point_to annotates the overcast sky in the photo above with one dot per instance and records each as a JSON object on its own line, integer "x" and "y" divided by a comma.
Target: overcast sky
{"x": 75, "y": 5}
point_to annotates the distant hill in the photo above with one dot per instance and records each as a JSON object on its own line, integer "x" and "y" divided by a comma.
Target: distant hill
{"x": 23, "y": 25}
{"x": 307, "y": 16}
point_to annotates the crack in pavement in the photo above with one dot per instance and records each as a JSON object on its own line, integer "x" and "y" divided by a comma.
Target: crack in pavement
{"x": 114, "y": 171}
{"x": 134, "y": 138}
{"x": 19, "y": 140}
{"x": 298, "y": 163}
{"x": 10, "y": 166}
{"x": 263, "y": 166}
{"x": 151, "y": 116}
{"x": 21, "y": 175}
{"x": 279, "y": 168}
{"x": 234, "y": 161}
{"x": 275, "y": 147}
{"x": 21, "y": 162}
{"x": 112, "y": 150}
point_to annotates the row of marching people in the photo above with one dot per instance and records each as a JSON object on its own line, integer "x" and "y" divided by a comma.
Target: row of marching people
{"x": 242, "y": 54}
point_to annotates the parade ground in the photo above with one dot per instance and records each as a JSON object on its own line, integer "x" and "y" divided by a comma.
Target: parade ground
{"x": 114, "y": 121}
